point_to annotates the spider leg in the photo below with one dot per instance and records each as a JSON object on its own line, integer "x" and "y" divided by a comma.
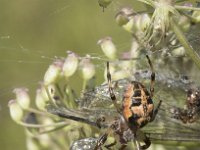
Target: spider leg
{"x": 156, "y": 111}
{"x": 152, "y": 76}
{"x": 103, "y": 138}
{"x": 137, "y": 145}
{"x": 146, "y": 141}
{"x": 146, "y": 145}
{"x": 101, "y": 141}
{"x": 123, "y": 147}
{"x": 111, "y": 144}
{"x": 111, "y": 91}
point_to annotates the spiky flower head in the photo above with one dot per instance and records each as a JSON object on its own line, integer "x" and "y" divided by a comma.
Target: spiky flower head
{"x": 160, "y": 20}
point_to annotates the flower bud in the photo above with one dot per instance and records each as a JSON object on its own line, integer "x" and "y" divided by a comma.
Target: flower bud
{"x": 87, "y": 68}
{"x": 108, "y": 47}
{"x": 180, "y": 51}
{"x": 196, "y": 16}
{"x": 53, "y": 73}
{"x": 143, "y": 22}
{"x": 16, "y": 111}
{"x": 45, "y": 139}
{"x": 32, "y": 144}
{"x": 43, "y": 91}
{"x": 130, "y": 26}
{"x": 40, "y": 100}
{"x": 104, "y": 3}
{"x": 70, "y": 64}
{"x": 121, "y": 18}
{"x": 184, "y": 23}
{"x": 22, "y": 97}
{"x": 127, "y": 13}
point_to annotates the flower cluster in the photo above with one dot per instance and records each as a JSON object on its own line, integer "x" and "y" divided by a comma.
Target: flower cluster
{"x": 37, "y": 121}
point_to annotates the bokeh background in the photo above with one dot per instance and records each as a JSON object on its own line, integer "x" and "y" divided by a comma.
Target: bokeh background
{"x": 33, "y": 32}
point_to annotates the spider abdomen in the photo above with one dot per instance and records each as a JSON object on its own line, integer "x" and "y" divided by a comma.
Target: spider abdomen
{"x": 137, "y": 105}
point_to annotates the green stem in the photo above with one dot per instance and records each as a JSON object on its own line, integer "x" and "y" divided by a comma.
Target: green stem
{"x": 186, "y": 8}
{"x": 84, "y": 85}
{"x": 39, "y": 112}
{"x": 47, "y": 131}
{"x": 182, "y": 39}
{"x": 48, "y": 94}
{"x": 148, "y": 2}
{"x": 59, "y": 90}
{"x": 42, "y": 125}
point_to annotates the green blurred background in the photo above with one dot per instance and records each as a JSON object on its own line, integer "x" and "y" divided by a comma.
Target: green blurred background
{"x": 33, "y": 32}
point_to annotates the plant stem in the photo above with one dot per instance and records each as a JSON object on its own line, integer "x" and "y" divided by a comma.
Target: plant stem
{"x": 42, "y": 125}
{"x": 39, "y": 112}
{"x": 182, "y": 39}
{"x": 186, "y": 8}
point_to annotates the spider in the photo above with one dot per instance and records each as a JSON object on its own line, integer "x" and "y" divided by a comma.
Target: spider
{"x": 136, "y": 111}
